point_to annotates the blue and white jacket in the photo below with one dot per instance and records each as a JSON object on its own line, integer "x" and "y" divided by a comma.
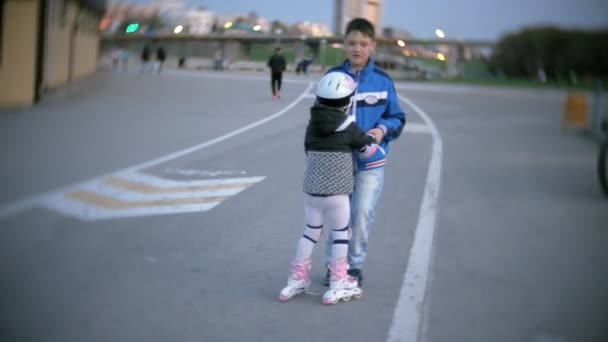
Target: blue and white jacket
{"x": 375, "y": 105}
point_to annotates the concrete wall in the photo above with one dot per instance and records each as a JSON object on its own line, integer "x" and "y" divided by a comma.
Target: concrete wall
{"x": 18, "y": 63}
{"x": 71, "y": 46}
{"x": 86, "y": 47}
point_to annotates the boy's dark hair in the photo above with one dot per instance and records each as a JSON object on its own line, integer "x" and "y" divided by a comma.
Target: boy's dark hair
{"x": 360, "y": 25}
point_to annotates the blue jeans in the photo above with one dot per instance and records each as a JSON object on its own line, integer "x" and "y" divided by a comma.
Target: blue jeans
{"x": 363, "y": 201}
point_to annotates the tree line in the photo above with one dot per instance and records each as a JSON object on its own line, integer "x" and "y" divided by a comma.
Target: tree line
{"x": 553, "y": 54}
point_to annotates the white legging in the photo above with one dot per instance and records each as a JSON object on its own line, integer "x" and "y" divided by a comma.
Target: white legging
{"x": 332, "y": 212}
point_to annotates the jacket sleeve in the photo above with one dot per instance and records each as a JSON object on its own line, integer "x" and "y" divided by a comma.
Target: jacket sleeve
{"x": 393, "y": 119}
{"x": 359, "y": 139}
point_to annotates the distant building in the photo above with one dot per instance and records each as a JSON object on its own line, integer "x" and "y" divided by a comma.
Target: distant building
{"x": 197, "y": 21}
{"x": 395, "y": 33}
{"x": 309, "y": 29}
{"x": 169, "y": 5}
{"x": 200, "y": 21}
{"x": 117, "y": 14}
{"x": 346, "y": 10}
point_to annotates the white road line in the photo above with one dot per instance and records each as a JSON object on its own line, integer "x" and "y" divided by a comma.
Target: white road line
{"x": 219, "y": 139}
{"x": 167, "y": 183}
{"x": 407, "y": 317}
{"x": 99, "y": 186}
{"x": 82, "y": 211}
{"x": 412, "y": 127}
{"x": 16, "y": 207}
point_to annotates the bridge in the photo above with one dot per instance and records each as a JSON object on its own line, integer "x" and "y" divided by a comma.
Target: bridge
{"x": 237, "y": 46}
{"x": 290, "y": 39}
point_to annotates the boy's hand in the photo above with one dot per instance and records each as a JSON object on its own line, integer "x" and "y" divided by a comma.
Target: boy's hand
{"x": 368, "y": 151}
{"x": 377, "y": 133}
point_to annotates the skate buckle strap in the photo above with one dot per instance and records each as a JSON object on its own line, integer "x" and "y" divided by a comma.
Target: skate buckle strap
{"x": 299, "y": 270}
{"x": 338, "y": 269}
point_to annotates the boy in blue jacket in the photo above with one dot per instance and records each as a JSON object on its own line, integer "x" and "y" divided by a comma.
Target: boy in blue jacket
{"x": 376, "y": 110}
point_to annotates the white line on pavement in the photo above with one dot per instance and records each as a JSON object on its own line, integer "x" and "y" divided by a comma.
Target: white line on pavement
{"x": 163, "y": 182}
{"x": 407, "y": 317}
{"x": 83, "y": 211}
{"x": 220, "y": 139}
{"x": 413, "y": 127}
{"x": 100, "y": 187}
{"x": 16, "y": 207}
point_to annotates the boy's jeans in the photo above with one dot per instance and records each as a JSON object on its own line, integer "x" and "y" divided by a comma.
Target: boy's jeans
{"x": 368, "y": 187}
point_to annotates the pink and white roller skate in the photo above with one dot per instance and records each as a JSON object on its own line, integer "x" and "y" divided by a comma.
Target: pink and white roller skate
{"x": 342, "y": 287}
{"x": 298, "y": 280}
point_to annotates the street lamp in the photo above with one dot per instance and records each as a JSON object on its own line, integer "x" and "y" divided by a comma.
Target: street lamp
{"x": 401, "y": 43}
{"x": 439, "y": 33}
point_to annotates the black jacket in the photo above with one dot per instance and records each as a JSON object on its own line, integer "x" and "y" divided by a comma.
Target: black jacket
{"x": 277, "y": 63}
{"x": 161, "y": 55}
{"x": 145, "y": 54}
{"x": 321, "y": 134}
{"x": 330, "y": 139}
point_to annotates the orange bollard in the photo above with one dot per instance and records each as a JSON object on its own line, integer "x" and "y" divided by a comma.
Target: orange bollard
{"x": 575, "y": 110}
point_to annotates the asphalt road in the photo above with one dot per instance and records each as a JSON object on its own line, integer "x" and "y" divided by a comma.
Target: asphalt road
{"x": 167, "y": 208}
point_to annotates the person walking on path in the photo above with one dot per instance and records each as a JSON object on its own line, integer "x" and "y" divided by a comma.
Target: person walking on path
{"x": 277, "y": 65}
{"x": 145, "y": 59}
{"x": 161, "y": 55}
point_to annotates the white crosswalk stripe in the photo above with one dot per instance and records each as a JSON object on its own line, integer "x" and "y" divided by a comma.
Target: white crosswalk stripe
{"x": 133, "y": 193}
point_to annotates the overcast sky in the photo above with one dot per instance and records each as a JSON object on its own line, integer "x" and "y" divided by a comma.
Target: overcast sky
{"x": 464, "y": 19}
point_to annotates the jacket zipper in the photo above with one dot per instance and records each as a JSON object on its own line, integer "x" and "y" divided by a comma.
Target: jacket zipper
{"x": 353, "y": 111}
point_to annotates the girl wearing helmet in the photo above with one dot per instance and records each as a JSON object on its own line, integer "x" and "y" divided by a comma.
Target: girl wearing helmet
{"x": 331, "y": 137}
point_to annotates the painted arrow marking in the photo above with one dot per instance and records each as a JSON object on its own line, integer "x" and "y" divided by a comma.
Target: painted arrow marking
{"x": 131, "y": 194}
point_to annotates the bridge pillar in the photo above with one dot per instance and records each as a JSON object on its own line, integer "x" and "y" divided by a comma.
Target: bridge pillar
{"x": 456, "y": 61}
{"x": 235, "y": 50}
{"x": 315, "y": 49}
{"x": 301, "y": 50}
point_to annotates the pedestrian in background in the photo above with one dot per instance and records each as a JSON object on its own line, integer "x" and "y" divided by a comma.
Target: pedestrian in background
{"x": 161, "y": 55}
{"x": 277, "y": 65}
{"x": 218, "y": 60}
{"x": 145, "y": 59}
{"x": 376, "y": 111}
{"x": 124, "y": 59}
{"x": 116, "y": 54}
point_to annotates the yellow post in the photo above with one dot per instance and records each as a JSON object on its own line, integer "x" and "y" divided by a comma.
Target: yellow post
{"x": 575, "y": 110}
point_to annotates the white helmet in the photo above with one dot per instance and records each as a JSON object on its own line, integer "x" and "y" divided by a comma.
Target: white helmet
{"x": 335, "y": 89}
